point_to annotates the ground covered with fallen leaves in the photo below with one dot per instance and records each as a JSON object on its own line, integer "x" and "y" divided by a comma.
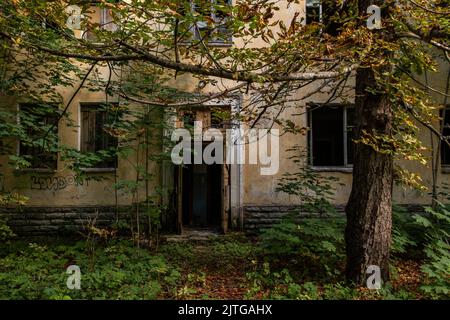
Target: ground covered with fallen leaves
{"x": 233, "y": 267}
{"x": 226, "y": 267}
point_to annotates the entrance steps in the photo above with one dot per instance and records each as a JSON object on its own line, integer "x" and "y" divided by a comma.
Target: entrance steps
{"x": 192, "y": 234}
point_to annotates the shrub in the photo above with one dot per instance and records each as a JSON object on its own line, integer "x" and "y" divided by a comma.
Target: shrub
{"x": 319, "y": 238}
{"x": 121, "y": 271}
{"x": 405, "y": 232}
{"x": 436, "y": 226}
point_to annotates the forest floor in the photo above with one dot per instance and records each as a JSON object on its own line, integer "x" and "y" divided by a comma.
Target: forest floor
{"x": 226, "y": 267}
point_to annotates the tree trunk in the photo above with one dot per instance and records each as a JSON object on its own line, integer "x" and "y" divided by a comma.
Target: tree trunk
{"x": 369, "y": 209}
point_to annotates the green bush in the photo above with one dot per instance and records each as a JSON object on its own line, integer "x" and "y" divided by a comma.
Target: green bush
{"x": 5, "y": 231}
{"x": 321, "y": 238}
{"x": 436, "y": 225}
{"x": 406, "y": 234}
{"x": 121, "y": 271}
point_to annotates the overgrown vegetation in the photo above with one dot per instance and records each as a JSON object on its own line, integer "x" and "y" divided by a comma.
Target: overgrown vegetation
{"x": 233, "y": 266}
{"x": 297, "y": 258}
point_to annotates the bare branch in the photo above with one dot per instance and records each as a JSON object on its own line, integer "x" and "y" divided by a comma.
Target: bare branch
{"x": 184, "y": 104}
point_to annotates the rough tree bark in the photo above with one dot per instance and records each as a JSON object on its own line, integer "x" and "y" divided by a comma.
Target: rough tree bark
{"x": 369, "y": 209}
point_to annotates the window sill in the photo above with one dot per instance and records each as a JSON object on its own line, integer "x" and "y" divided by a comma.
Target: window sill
{"x": 35, "y": 170}
{"x": 99, "y": 170}
{"x": 209, "y": 44}
{"x": 445, "y": 169}
{"x": 333, "y": 169}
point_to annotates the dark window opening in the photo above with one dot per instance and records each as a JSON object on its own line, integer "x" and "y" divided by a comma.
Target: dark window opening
{"x": 331, "y": 134}
{"x": 188, "y": 117}
{"x": 313, "y": 11}
{"x": 322, "y": 11}
{"x": 97, "y": 134}
{"x": 445, "y": 149}
{"x": 40, "y": 122}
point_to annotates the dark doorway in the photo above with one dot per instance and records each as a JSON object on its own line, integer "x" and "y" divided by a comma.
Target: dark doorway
{"x": 202, "y": 197}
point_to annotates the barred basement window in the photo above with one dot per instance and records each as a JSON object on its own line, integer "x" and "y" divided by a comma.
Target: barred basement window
{"x": 330, "y": 135}
{"x": 96, "y": 125}
{"x": 40, "y": 122}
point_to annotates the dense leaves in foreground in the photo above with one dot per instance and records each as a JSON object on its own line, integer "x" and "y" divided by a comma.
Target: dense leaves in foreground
{"x": 233, "y": 266}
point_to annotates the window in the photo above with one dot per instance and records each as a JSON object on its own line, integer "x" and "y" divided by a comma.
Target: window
{"x": 330, "y": 135}
{"x": 221, "y": 117}
{"x": 96, "y": 124}
{"x": 100, "y": 19}
{"x": 212, "y": 26}
{"x": 322, "y": 11}
{"x": 445, "y": 149}
{"x": 216, "y": 117}
{"x": 187, "y": 117}
{"x": 313, "y": 11}
{"x": 40, "y": 122}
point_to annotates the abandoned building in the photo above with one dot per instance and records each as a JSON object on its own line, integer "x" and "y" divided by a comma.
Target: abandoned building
{"x": 221, "y": 196}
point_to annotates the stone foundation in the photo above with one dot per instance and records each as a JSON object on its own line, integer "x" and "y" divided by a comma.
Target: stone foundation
{"x": 71, "y": 220}
{"x": 257, "y": 218}
{"x": 47, "y": 221}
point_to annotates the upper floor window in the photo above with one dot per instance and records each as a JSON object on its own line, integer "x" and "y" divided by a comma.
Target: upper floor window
{"x": 212, "y": 21}
{"x": 96, "y": 124}
{"x": 313, "y": 11}
{"x": 100, "y": 19}
{"x": 322, "y": 11}
{"x": 38, "y": 146}
{"x": 330, "y": 136}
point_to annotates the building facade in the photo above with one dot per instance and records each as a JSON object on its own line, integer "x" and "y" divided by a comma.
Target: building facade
{"x": 232, "y": 196}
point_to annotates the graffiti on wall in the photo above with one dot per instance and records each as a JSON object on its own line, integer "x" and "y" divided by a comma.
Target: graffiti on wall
{"x": 54, "y": 183}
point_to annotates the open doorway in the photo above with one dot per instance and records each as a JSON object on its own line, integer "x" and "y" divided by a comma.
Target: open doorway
{"x": 201, "y": 201}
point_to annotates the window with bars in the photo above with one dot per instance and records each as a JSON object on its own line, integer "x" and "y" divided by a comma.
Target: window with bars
{"x": 40, "y": 123}
{"x": 330, "y": 135}
{"x": 96, "y": 128}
